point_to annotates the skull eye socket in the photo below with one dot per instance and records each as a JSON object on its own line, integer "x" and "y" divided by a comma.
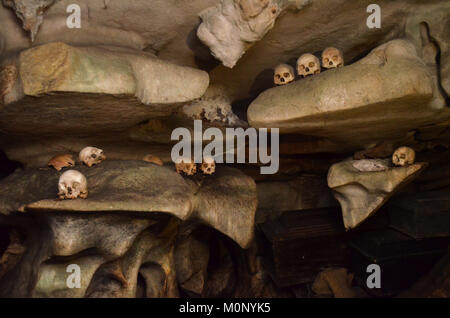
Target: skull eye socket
{"x": 94, "y": 156}
{"x": 335, "y": 58}
{"x": 277, "y": 76}
{"x": 326, "y": 60}
{"x": 287, "y": 75}
{"x": 302, "y": 67}
{"x": 312, "y": 64}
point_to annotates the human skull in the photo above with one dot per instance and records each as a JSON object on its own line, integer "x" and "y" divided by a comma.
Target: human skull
{"x": 91, "y": 156}
{"x": 284, "y": 74}
{"x": 61, "y": 161}
{"x": 403, "y": 156}
{"x": 332, "y": 58}
{"x": 308, "y": 64}
{"x": 72, "y": 185}
{"x": 186, "y": 166}
{"x": 153, "y": 159}
{"x": 208, "y": 165}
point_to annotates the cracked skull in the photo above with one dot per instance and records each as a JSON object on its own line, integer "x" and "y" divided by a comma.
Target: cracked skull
{"x": 91, "y": 156}
{"x": 186, "y": 166}
{"x": 308, "y": 64}
{"x": 332, "y": 58}
{"x": 284, "y": 74}
{"x": 72, "y": 185}
{"x": 208, "y": 165}
{"x": 403, "y": 156}
{"x": 61, "y": 161}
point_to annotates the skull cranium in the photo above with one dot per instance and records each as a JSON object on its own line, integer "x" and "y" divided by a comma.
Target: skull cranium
{"x": 332, "y": 58}
{"x": 186, "y": 166}
{"x": 153, "y": 159}
{"x": 208, "y": 165}
{"x": 283, "y": 74}
{"x": 61, "y": 161}
{"x": 91, "y": 156}
{"x": 308, "y": 64}
{"x": 72, "y": 185}
{"x": 403, "y": 156}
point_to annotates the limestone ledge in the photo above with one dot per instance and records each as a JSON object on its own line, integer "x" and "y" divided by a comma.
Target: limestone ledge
{"x": 362, "y": 193}
{"x": 380, "y": 97}
{"x": 58, "y": 67}
{"x": 225, "y": 201}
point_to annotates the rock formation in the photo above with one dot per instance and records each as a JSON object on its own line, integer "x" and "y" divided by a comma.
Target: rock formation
{"x": 129, "y": 73}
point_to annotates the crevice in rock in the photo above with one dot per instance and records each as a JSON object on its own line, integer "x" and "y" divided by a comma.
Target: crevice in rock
{"x": 7, "y": 166}
{"x": 430, "y": 41}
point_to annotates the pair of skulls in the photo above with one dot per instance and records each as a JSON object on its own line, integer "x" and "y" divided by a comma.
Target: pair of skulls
{"x": 188, "y": 166}
{"x": 89, "y": 156}
{"x": 308, "y": 64}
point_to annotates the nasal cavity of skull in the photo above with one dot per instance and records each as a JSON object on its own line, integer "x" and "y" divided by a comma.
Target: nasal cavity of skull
{"x": 333, "y": 60}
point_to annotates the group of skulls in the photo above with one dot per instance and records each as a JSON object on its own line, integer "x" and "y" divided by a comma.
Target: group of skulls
{"x": 188, "y": 167}
{"x": 308, "y": 64}
{"x": 73, "y": 184}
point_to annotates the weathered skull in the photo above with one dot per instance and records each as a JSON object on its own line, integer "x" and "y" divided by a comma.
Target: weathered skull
{"x": 332, "y": 58}
{"x": 153, "y": 159}
{"x": 308, "y": 64}
{"x": 284, "y": 74}
{"x": 30, "y": 12}
{"x": 208, "y": 166}
{"x": 61, "y": 161}
{"x": 91, "y": 156}
{"x": 72, "y": 185}
{"x": 186, "y": 166}
{"x": 403, "y": 156}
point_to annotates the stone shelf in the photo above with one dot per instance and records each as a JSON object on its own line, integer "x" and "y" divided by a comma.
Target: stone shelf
{"x": 226, "y": 201}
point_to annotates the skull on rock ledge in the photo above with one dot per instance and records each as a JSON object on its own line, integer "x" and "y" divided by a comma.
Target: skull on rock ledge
{"x": 308, "y": 64}
{"x": 72, "y": 185}
{"x": 283, "y": 74}
{"x": 208, "y": 165}
{"x": 61, "y": 161}
{"x": 186, "y": 166}
{"x": 91, "y": 156}
{"x": 403, "y": 156}
{"x": 332, "y": 58}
